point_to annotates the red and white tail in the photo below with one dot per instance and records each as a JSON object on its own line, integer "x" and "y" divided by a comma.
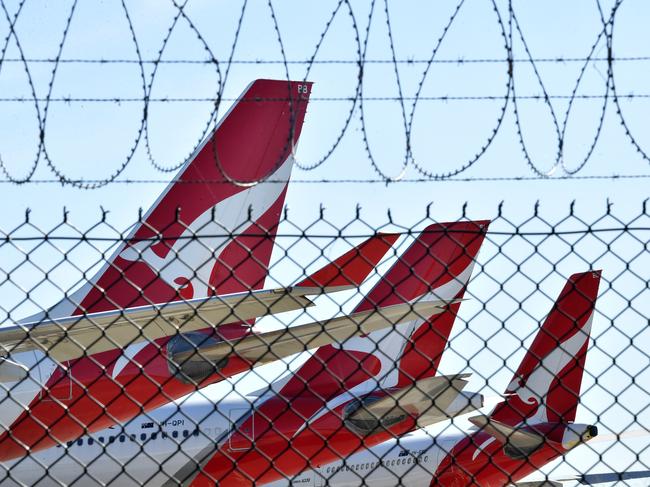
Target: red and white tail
{"x": 213, "y": 228}
{"x": 546, "y": 386}
{"x": 437, "y": 266}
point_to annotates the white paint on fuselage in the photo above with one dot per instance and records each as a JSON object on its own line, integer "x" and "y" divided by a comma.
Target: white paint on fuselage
{"x": 153, "y": 447}
{"x": 410, "y": 460}
{"x": 148, "y": 450}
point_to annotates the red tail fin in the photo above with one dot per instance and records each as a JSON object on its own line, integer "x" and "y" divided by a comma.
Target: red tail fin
{"x": 546, "y": 386}
{"x": 438, "y": 263}
{"x": 424, "y": 350}
{"x": 214, "y": 198}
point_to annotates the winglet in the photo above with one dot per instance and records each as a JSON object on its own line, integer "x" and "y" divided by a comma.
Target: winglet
{"x": 353, "y": 267}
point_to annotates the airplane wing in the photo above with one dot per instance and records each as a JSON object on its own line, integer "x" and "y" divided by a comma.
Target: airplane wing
{"x": 270, "y": 346}
{"x": 428, "y": 400}
{"x": 72, "y": 337}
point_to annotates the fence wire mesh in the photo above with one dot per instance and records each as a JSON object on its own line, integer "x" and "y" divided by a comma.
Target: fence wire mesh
{"x": 222, "y": 339}
{"x": 379, "y": 344}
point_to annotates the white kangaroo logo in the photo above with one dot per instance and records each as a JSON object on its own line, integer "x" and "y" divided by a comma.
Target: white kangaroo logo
{"x": 535, "y": 389}
{"x": 190, "y": 260}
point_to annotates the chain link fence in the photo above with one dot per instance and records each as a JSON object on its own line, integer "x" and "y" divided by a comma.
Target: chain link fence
{"x": 222, "y": 339}
{"x": 446, "y": 353}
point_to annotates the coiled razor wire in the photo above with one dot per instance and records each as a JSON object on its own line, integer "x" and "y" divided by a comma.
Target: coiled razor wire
{"x": 343, "y": 13}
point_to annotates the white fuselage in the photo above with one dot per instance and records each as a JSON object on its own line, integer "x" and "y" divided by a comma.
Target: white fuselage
{"x": 148, "y": 450}
{"x": 155, "y": 447}
{"x": 410, "y": 460}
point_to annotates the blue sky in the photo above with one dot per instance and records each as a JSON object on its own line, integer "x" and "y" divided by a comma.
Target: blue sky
{"x": 92, "y": 140}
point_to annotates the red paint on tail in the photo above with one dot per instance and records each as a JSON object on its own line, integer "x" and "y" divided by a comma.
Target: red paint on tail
{"x": 546, "y": 386}
{"x": 213, "y": 194}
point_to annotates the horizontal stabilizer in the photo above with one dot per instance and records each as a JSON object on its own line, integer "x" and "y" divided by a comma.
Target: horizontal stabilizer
{"x": 428, "y": 400}
{"x": 524, "y": 442}
{"x": 270, "y": 346}
{"x": 72, "y": 337}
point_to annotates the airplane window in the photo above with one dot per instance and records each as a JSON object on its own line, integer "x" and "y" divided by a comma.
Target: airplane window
{"x": 186, "y": 433}
{"x": 111, "y": 439}
{"x": 122, "y": 438}
{"x": 175, "y": 434}
{"x": 101, "y": 439}
{"x": 163, "y": 434}
{"x": 91, "y": 441}
{"x": 80, "y": 441}
{"x": 143, "y": 437}
{"x": 132, "y": 437}
{"x": 70, "y": 443}
{"x": 196, "y": 432}
{"x": 367, "y": 465}
{"x": 426, "y": 458}
{"x": 154, "y": 435}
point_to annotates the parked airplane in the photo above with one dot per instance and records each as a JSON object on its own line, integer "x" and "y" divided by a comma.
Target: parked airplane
{"x": 126, "y": 341}
{"x": 531, "y": 427}
{"x": 346, "y": 397}
{"x": 351, "y": 394}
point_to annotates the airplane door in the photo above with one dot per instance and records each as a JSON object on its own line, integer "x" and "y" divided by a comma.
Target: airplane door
{"x": 243, "y": 433}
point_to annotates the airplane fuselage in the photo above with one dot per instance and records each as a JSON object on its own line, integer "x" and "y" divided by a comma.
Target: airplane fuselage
{"x": 62, "y": 401}
{"x": 173, "y": 442}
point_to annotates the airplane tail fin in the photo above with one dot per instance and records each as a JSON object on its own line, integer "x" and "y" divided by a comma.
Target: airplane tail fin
{"x": 437, "y": 266}
{"x": 546, "y": 386}
{"x": 213, "y": 228}
{"x": 422, "y": 352}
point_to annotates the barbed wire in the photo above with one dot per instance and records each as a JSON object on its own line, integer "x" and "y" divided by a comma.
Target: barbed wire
{"x": 515, "y": 90}
{"x": 591, "y": 177}
{"x": 556, "y": 60}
